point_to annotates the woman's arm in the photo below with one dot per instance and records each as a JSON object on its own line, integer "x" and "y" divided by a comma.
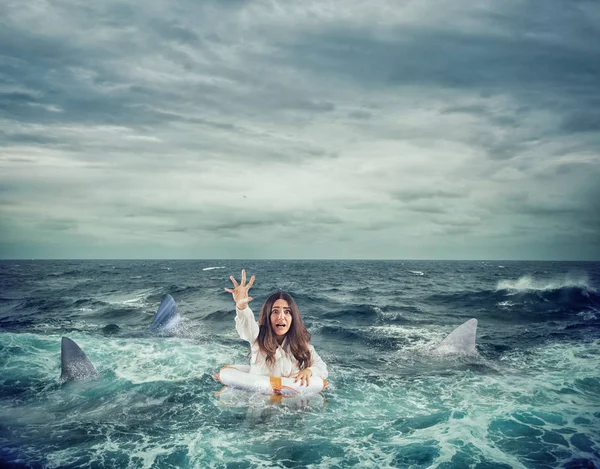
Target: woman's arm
{"x": 318, "y": 367}
{"x": 245, "y": 324}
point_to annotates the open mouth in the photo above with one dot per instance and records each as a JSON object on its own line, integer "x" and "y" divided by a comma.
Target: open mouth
{"x": 280, "y": 326}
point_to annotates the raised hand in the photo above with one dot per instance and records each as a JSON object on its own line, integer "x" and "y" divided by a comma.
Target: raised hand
{"x": 240, "y": 292}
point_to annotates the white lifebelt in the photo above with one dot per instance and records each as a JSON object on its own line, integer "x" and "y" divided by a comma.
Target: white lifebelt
{"x": 231, "y": 397}
{"x": 239, "y": 377}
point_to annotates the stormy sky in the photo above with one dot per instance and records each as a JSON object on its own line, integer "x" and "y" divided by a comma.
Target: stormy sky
{"x": 315, "y": 129}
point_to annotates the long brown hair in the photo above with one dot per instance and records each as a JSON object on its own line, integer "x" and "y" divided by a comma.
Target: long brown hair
{"x": 298, "y": 338}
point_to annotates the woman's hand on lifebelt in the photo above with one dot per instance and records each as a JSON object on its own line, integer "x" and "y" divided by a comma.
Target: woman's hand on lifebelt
{"x": 240, "y": 292}
{"x": 302, "y": 376}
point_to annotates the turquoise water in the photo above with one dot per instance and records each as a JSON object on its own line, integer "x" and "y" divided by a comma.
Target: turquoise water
{"x": 530, "y": 398}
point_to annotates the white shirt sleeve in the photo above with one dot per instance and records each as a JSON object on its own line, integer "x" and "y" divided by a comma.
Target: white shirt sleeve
{"x": 318, "y": 367}
{"x": 246, "y": 325}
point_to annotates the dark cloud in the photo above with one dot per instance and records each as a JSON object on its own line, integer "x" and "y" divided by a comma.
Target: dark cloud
{"x": 583, "y": 120}
{"x": 432, "y": 209}
{"x": 523, "y": 54}
{"x": 172, "y": 30}
{"x": 191, "y": 123}
{"x": 360, "y": 115}
{"x": 425, "y": 193}
{"x": 27, "y": 138}
{"x": 16, "y": 98}
{"x": 544, "y": 63}
{"x": 57, "y": 225}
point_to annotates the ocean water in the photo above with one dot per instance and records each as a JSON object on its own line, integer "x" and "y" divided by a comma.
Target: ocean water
{"x": 529, "y": 399}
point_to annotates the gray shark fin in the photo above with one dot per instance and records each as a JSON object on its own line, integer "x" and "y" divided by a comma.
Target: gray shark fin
{"x": 461, "y": 340}
{"x": 166, "y": 318}
{"x": 75, "y": 365}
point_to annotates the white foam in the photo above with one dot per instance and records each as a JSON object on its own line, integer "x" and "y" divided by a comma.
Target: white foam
{"x": 172, "y": 360}
{"x": 213, "y": 268}
{"x": 363, "y": 422}
{"x": 506, "y": 304}
{"x": 528, "y": 283}
{"x": 417, "y": 339}
{"x": 587, "y": 315}
{"x": 135, "y": 298}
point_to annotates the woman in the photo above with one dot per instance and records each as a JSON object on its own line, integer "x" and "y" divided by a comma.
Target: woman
{"x": 280, "y": 344}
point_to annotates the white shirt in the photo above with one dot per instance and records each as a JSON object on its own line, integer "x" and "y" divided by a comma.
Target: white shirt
{"x": 285, "y": 362}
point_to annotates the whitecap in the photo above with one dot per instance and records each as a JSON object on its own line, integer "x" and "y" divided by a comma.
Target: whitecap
{"x": 587, "y": 315}
{"x": 506, "y": 304}
{"x": 528, "y": 283}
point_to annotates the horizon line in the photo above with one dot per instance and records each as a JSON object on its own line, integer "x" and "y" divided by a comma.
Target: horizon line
{"x": 289, "y": 259}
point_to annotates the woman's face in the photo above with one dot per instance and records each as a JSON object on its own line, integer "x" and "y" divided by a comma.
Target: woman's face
{"x": 281, "y": 317}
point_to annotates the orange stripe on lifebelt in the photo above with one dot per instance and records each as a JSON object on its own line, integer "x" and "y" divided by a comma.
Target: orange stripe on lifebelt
{"x": 232, "y": 367}
{"x": 276, "y": 384}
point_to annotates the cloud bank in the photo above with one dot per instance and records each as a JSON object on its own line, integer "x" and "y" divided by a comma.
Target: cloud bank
{"x": 312, "y": 130}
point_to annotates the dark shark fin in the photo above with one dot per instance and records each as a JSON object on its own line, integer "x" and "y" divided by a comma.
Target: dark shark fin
{"x": 166, "y": 318}
{"x": 75, "y": 364}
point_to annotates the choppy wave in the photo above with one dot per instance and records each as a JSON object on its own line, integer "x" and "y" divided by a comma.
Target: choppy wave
{"x": 529, "y": 399}
{"x": 528, "y": 283}
{"x": 364, "y": 314}
{"x": 562, "y": 303}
